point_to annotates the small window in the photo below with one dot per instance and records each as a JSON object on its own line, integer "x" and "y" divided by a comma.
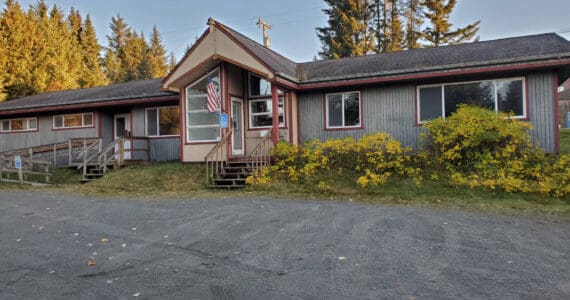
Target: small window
{"x": 163, "y": 121}
{"x": 343, "y": 110}
{"x": 18, "y": 125}
{"x": 261, "y": 113}
{"x": 502, "y": 95}
{"x": 73, "y": 121}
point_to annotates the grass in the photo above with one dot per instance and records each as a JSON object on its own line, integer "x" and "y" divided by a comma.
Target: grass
{"x": 565, "y": 141}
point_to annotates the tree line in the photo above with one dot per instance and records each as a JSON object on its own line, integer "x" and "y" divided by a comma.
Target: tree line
{"x": 44, "y": 49}
{"x": 359, "y": 27}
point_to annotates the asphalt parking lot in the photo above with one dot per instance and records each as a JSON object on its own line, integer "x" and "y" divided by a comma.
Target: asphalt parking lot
{"x": 61, "y": 246}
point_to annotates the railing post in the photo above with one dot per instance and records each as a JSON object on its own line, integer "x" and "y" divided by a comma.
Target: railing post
{"x": 1, "y": 168}
{"x": 55, "y": 155}
{"x": 69, "y": 153}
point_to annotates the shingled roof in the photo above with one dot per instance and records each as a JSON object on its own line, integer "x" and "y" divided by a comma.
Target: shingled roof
{"x": 495, "y": 52}
{"x": 140, "y": 89}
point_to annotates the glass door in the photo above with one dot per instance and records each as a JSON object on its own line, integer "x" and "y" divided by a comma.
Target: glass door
{"x": 237, "y": 125}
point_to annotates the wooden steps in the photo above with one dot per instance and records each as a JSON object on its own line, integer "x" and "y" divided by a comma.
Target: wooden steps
{"x": 231, "y": 176}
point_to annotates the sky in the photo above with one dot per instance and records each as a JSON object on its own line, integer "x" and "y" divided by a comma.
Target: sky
{"x": 293, "y": 22}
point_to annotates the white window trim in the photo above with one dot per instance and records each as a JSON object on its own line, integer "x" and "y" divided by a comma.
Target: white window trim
{"x": 327, "y": 125}
{"x": 186, "y": 112}
{"x": 251, "y": 115}
{"x": 157, "y": 121}
{"x": 442, "y": 85}
{"x": 74, "y": 127}
{"x": 27, "y": 120}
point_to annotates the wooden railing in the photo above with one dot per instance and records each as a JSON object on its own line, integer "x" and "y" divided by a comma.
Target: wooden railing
{"x": 216, "y": 158}
{"x": 260, "y": 157}
{"x": 31, "y": 170}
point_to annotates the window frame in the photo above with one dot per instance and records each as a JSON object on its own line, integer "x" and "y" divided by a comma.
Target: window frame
{"x": 342, "y": 127}
{"x": 283, "y": 125}
{"x": 158, "y": 121}
{"x": 188, "y": 97}
{"x": 63, "y": 127}
{"x": 249, "y": 87}
{"x": 26, "y": 120}
{"x": 524, "y": 116}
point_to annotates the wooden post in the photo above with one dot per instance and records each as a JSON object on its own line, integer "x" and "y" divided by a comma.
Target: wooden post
{"x": 69, "y": 153}
{"x": 47, "y": 173}
{"x": 20, "y": 172}
{"x": 148, "y": 150}
{"x": 1, "y": 168}
{"x": 275, "y": 114}
{"x": 55, "y": 155}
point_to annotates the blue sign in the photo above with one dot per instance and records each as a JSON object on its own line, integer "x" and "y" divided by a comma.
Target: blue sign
{"x": 18, "y": 162}
{"x": 224, "y": 121}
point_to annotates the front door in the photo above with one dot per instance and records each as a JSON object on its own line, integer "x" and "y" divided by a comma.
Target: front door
{"x": 123, "y": 129}
{"x": 237, "y": 125}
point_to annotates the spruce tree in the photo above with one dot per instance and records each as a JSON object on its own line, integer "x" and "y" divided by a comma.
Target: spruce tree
{"x": 347, "y": 33}
{"x": 158, "y": 59}
{"x": 440, "y": 30}
{"x": 395, "y": 41}
{"x": 413, "y": 12}
{"x": 171, "y": 62}
{"x": 91, "y": 73}
{"x": 16, "y": 30}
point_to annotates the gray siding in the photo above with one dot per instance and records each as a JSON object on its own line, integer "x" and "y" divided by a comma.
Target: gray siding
{"x": 45, "y": 135}
{"x": 165, "y": 149}
{"x": 385, "y": 109}
{"x": 391, "y": 109}
{"x": 541, "y": 109}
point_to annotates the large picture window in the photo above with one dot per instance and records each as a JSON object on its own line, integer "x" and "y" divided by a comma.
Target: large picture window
{"x": 163, "y": 121}
{"x": 18, "y": 125}
{"x": 261, "y": 113}
{"x": 343, "y": 110}
{"x": 201, "y": 125}
{"x": 258, "y": 86}
{"x": 73, "y": 121}
{"x": 501, "y": 95}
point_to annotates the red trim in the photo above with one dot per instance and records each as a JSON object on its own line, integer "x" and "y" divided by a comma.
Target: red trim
{"x": 556, "y": 116}
{"x": 527, "y": 99}
{"x": 88, "y": 105}
{"x": 227, "y": 103}
{"x": 132, "y": 133}
{"x": 384, "y": 79}
{"x": 286, "y": 83}
{"x": 275, "y": 114}
{"x": 289, "y": 112}
{"x": 298, "y": 120}
{"x": 182, "y": 104}
{"x": 190, "y": 51}
{"x": 202, "y": 143}
{"x": 221, "y": 27}
{"x": 361, "y": 104}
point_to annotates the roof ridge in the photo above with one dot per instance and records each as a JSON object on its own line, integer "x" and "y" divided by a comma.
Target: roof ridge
{"x": 84, "y": 88}
{"x": 438, "y": 47}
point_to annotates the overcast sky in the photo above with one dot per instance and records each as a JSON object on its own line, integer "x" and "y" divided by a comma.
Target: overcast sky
{"x": 182, "y": 21}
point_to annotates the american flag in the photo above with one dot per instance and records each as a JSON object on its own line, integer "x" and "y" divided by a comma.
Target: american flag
{"x": 213, "y": 97}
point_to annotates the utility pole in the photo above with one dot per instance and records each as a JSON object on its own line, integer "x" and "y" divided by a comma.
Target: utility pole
{"x": 264, "y": 26}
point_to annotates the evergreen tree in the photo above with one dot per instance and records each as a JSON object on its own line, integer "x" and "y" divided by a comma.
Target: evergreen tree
{"x": 347, "y": 33}
{"x": 135, "y": 59}
{"x": 91, "y": 73}
{"x": 171, "y": 62}
{"x": 112, "y": 66}
{"x": 16, "y": 31}
{"x": 158, "y": 59}
{"x": 440, "y": 30}
{"x": 379, "y": 25}
{"x": 414, "y": 14}
{"x": 395, "y": 41}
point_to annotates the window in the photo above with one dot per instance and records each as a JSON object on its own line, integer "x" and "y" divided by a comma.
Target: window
{"x": 502, "y": 95}
{"x": 258, "y": 86}
{"x": 16, "y": 125}
{"x": 201, "y": 125}
{"x": 163, "y": 121}
{"x": 261, "y": 113}
{"x": 73, "y": 121}
{"x": 343, "y": 110}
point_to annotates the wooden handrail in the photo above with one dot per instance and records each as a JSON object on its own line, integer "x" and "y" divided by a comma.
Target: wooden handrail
{"x": 259, "y": 158}
{"x": 215, "y": 159}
